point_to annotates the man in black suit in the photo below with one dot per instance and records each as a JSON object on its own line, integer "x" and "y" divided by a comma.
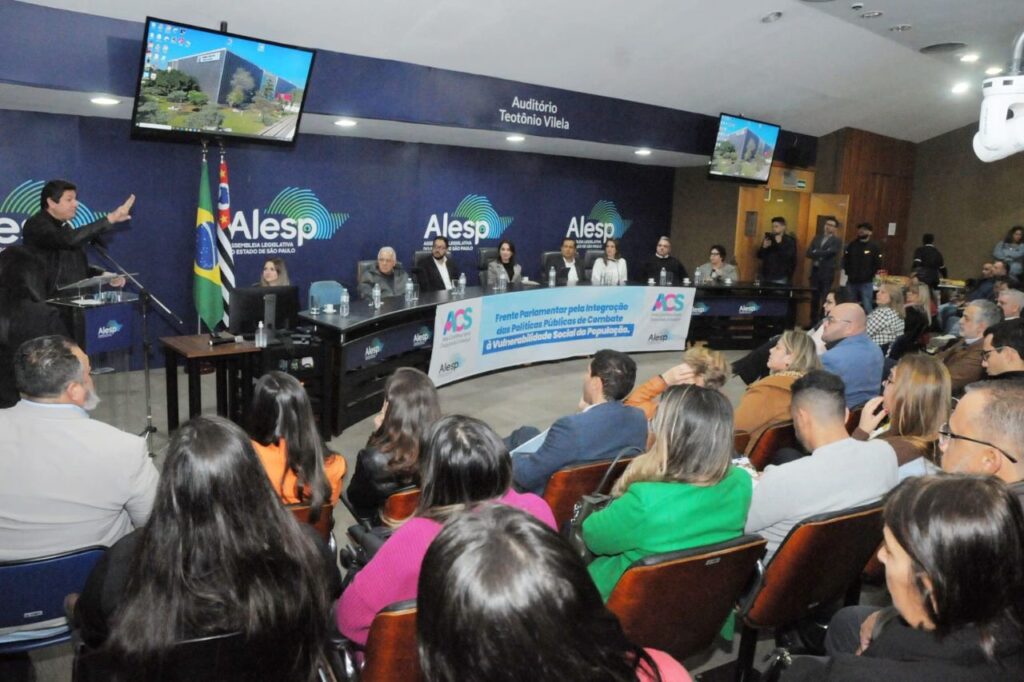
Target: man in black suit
{"x": 823, "y": 251}
{"x": 663, "y": 259}
{"x": 928, "y": 262}
{"x": 438, "y": 273}
{"x": 49, "y": 235}
{"x": 567, "y": 265}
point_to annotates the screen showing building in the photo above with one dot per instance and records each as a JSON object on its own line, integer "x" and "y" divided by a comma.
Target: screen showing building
{"x": 743, "y": 149}
{"x": 195, "y": 81}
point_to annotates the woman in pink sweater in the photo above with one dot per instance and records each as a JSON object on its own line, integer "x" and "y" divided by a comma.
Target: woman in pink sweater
{"x": 464, "y": 463}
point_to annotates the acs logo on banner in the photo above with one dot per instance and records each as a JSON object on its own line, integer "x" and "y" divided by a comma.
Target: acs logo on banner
{"x": 669, "y": 303}
{"x": 458, "y": 320}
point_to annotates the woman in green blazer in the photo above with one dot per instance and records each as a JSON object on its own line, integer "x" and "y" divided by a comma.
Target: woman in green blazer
{"x": 683, "y": 493}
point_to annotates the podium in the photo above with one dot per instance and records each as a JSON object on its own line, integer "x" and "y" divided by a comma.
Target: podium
{"x": 100, "y": 323}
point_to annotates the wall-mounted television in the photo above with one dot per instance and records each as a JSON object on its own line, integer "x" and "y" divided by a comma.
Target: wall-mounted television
{"x": 744, "y": 149}
{"x": 194, "y": 83}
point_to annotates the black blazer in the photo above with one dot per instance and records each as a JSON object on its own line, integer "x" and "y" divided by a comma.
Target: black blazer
{"x": 561, "y": 271}
{"x": 372, "y": 483}
{"x": 28, "y": 319}
{"x": 430, "y": 279}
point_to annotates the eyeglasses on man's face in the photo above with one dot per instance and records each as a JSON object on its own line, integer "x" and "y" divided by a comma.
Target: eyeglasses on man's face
{"x": 946, "y": 435}
{"x": 986, "y": 353}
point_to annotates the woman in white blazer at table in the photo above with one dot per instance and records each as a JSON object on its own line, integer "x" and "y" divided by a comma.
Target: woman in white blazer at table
{"x": 611, "y": 267}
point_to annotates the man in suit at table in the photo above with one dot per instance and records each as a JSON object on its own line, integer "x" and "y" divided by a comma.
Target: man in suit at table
{"x": 567, "y": 265}
{"x": 603, "y": 428}
{"x": 66, "y": 481}
{"x": 823, "y": 251}
{"x": 439, "y": 273}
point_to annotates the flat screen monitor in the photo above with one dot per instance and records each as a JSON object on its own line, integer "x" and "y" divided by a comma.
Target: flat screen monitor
{"x": 248, "y": 307}
{"x": 744, "y": 149}
{"x": 194, "y": 82}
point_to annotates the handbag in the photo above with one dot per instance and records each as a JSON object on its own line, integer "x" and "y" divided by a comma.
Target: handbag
{"x": 590, "y": 503}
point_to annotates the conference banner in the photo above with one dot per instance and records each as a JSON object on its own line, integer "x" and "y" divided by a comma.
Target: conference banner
{"x": 483, "y": 334}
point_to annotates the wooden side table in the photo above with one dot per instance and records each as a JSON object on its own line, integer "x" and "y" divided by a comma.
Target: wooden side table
{"x": 232, "y": 361}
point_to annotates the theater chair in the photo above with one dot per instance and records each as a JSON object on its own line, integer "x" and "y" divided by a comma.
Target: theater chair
{"x": 325, "y": 292}
{"x": 324, "y": 524}
{"x": 485, "y": 254}
{"x": 566, "y": 486}
{"x": 400, "y": 506}
{"x": 771, "y": 441}
{"x": 32, "y": 594}
{"x": 819, "y": 562}
{"x": 391, "y": 647}
{"x": 854, "y": 419}
{"x": 740, "y": 441}
{"x": 677, "y": 601}
{"x": 589, "y": 258}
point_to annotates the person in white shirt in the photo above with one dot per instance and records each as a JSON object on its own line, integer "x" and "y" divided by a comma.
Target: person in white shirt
{"x": 568, "y": 268}
{"x": 609, "y": 269}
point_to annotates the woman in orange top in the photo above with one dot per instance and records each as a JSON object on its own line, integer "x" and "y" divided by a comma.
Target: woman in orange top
{"x": 300, "y": 467}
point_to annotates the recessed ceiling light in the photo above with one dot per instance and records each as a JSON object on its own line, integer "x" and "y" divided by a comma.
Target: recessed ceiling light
{"x": 900, "y": 28}
{"x": 771, "y": 17}
{"x": 960, "y": 88}
{"x": 969, "y": 58}
{"x": 346, "y": 123}
{"x": 643, "y": 152}
{"x": 105, "y": 101}
{"x": 871, "y": 15}
{"x": 943, "y": 48}
{"x": 516, "y": 138}
{"x": 993, "y": 70}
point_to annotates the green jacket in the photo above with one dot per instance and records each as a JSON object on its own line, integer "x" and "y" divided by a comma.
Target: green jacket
{"x": 651, "y": 518}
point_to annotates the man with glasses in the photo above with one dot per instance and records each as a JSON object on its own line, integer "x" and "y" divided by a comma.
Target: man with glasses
{"x": 1002, "y": 354}
{"x": 962, "y": 357}
{"x": 985, "y": 434}
{"x": 855, "y": 358}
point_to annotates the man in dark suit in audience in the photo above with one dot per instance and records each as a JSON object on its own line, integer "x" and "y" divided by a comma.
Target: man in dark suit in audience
{"x": 675, "y": 271}
{"x": 567, "y": 265}
{"x": 438, "y": 273}
{"x": 823, "y": 251}
{"x": 1002, "y": 352}
{"x": 603, "y": 428}
{"x": 963, "y": 356}
{"x": 985, "y": 434}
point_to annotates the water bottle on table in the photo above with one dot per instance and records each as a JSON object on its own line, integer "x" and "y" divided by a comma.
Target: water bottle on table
{"x": 663, "y": 277}
{"x": 462, "y": 284}
{"x": 376, "y": 296}
{"x": 408, "y": 291}
{"x": 502, "y": 280}
{"x": 344, "y": 303}
{"x": 261, "y": 336}
{"x": 551, "y": 276}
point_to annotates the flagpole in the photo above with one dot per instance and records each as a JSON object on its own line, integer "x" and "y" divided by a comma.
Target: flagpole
{"x": 199, "y": 320}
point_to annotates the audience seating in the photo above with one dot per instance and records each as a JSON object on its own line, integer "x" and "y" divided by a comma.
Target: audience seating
{"x": 740, "y": 441}
{"x": 817, "y": 563}
{"x": 391, "y": 648}
{"x": 224, "y": 658}
{"x": 771, "y": 441}
{"x": 324, "y": 524}
{"x": 854, "y": 419}
{"x": 677, "y": 601}
{"x": 326, "y": 292}
{"x": 400, "y": 505}
{"x": 32, "y": 592}
{"x": 566, "y": 486}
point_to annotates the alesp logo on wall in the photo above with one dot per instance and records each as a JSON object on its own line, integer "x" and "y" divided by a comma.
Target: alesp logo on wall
{"x": 23, "y": 202}
{"x": 472, "y": 220}
{"x": 603, "y": 222}
{"x": 295, "y": 216}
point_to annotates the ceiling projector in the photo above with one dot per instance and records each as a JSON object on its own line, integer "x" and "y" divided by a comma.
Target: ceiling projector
{"x": 1001, "y": 128}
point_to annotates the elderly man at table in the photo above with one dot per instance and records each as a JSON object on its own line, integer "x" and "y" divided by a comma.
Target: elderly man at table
{"x": 438, "y": 273}
{"x": 840, "y": 473}
{"x": 387, "y": 272}
{"x": 855, "y": 358}
{"x": 675, "y": 272}
{"x": 567, "y": 265}
{"x": 603, "y": 428}
{"x": 962, "y": 357}
{"x": 66, "y": 481}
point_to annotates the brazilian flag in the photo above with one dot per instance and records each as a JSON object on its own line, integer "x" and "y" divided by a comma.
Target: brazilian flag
{"x": 206, "y": 284}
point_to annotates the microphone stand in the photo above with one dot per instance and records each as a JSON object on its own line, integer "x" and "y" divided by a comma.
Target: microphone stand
{"x": 145, "y": 297}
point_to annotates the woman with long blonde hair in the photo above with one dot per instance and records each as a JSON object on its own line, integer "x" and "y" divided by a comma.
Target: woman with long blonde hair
{"x": 914, "y": 404}
{"x": 766, "y": 401}
{"x": 684, "y": 492}
{"x": 885, "y": 323}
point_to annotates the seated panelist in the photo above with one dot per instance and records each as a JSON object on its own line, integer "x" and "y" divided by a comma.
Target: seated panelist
{"x": 506, "y": 261}
{"x": 275, "y": 274}
{"x": 387, "y": 272}
{"x": 568, "y": 266}
{"x": 439, "y": 273}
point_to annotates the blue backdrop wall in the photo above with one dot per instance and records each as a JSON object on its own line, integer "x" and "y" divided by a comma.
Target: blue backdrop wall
{"x": 330, "y": 201}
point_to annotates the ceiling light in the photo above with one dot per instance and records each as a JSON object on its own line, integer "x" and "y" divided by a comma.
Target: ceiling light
{"x": 969, "y": 58}
{"x": 516, "y": 138}
{"x": 871, "y": 15}
{"x": 105, "y": 101}
{"x": 943, "y": 48}
{"x": 643, "y": 152}
{"x": 960, "y": 88}
{"x": 771, "y": 17}
{"x": 900, "y": 28}
{"x": 346, "y": 123}
{"x": 993, "y": 70}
